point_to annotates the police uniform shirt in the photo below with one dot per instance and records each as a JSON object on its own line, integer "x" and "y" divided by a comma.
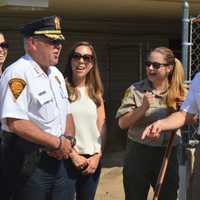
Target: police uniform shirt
{"x": 133, "y": 98}
{"x": 30, "y": 94}
{"x": 192, "y": 102}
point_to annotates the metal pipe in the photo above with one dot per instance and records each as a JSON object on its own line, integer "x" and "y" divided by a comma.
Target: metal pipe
{"x": 185, "y": 61}
{"x": 185, "y": 37}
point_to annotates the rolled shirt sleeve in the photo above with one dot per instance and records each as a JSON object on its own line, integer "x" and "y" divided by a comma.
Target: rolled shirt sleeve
{"x": 190, "y": 104}
{"x": 128, "y": 102}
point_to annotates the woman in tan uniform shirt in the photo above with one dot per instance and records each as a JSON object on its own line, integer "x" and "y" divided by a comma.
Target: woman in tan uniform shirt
{"x": 145, "y": 102}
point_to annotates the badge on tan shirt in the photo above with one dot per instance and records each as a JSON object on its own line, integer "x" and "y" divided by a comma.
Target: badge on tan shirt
{"x": 17, "y": 85}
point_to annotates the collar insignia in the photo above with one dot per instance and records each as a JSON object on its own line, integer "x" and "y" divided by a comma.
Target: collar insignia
{"x": 57, "y": 79}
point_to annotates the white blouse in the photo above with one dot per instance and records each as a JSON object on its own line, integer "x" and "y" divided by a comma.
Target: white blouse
{"x": 84, "y": 111}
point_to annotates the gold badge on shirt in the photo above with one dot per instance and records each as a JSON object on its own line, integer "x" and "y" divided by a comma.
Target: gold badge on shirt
{"x": 17, "y": 85}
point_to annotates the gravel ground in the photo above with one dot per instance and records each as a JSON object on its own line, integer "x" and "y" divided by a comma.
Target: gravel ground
{"x": 111, "y": 187}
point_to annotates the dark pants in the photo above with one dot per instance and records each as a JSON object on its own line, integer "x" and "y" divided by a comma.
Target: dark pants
{"x": 141, "y": 169}
{"x": 83, "y": 187}
{"x": 49, "y": 181}
{"x": 11, "y": 164}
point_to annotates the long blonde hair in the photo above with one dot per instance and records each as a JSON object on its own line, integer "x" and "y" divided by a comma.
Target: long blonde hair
{"x": 177, "y": 90}
{"x": 93, "y": 80}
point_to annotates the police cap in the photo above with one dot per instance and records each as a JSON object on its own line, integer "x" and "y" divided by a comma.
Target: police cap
{"x": 47, "y": 26}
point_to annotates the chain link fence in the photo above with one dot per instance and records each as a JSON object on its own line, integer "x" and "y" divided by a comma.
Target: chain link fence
{"x": 194, "y": 54}
{"x": 193, "y": 65}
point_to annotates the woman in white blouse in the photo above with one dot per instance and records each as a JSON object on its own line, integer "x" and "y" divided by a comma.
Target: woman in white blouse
{"x": 86, "y": 95}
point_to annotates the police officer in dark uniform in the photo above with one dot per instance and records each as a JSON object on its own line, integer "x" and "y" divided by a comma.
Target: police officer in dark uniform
{"x": 36, "y": 119}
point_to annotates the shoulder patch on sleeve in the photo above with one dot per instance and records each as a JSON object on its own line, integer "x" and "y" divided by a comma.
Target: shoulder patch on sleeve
{"x": 16, "y": 85}
{"x": 128, "y": 93}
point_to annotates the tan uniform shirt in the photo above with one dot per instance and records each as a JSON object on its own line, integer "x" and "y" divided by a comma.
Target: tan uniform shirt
{"x": 133, "y": 99}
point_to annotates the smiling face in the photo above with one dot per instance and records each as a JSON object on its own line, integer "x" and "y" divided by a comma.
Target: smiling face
{"x": 3, "y": 50}
{"x": 81, "y": 63}
{"x": 158, "y": 74}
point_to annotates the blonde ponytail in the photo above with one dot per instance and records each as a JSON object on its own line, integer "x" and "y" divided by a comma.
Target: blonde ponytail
{"x": 177, "y": 89}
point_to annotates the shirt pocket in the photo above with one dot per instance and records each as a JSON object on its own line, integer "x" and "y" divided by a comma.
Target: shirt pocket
{"x": 46, "y": 107}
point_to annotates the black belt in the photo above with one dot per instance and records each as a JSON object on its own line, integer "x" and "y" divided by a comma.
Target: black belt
{"x": 22, "y": 145}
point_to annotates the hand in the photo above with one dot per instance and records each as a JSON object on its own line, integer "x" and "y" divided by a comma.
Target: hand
{"x": 79, "y": 161}
{"x": 64, "y": 151}
{"x": 93, "y": 163}
{"x": 66, "y": 148}
{"x": 152, "y": 131}
{"x": 148, "y": 100}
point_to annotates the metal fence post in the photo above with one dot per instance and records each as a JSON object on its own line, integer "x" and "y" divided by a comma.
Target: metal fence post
{"x": 185, "y": 48}
{"x": 185, "y": 37}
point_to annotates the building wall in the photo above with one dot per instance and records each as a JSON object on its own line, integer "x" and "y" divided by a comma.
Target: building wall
{"x": 121, "y": 50}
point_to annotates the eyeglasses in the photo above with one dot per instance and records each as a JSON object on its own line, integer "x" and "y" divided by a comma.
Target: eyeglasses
{"x": 87, "y": 58}
{"x": 4, "y": 45}
{"x": 54, "y": 42}
{"x": 156, "y": 65}
{"x": 48, "y": 40}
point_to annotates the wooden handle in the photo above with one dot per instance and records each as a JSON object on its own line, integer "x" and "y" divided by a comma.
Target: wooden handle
{"x": 164, "y": 165}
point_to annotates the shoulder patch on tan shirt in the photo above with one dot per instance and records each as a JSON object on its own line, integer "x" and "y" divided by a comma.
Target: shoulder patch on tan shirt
{"x": 128, "y": 93}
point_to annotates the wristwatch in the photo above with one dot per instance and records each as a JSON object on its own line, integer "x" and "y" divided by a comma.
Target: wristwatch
{"x": 72, "y": 139}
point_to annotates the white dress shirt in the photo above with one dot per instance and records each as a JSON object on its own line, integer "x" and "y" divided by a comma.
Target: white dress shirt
{"x": 44, "y": 99}
{"x": 192, "y": 102}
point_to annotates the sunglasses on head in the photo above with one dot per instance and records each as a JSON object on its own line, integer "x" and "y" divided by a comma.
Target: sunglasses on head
{"x": 87, "y": 58}
{"x": 4, "y": 45}
{"x": 156, "y": 65}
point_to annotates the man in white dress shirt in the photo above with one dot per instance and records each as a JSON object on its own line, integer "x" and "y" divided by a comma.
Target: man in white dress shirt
{"x": 36, "y": 120}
